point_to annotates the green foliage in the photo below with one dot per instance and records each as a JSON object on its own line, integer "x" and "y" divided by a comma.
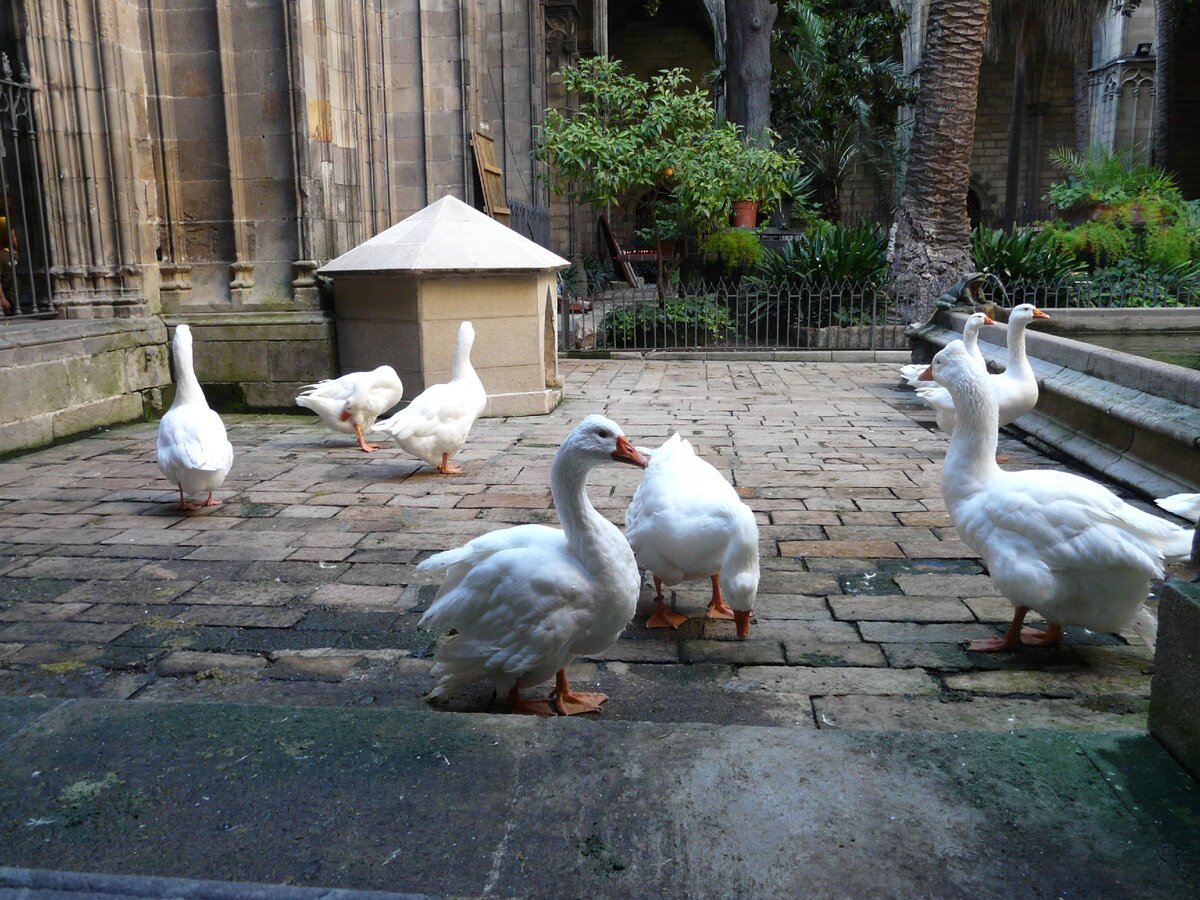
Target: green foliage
{"x": 626, "y": 136}
{"x": 683, "y": 321}
{"x": 736, "y": 248}
{"x": 1099, "y": 242}
{"x": 1130, "y": 283}
{"x": 829, "y": 253}
{"x": 835, "y": 88}
{"x": 595, "y": 274}
{"x": 1021, "y": 255}
{"x": 1108, "y": 177}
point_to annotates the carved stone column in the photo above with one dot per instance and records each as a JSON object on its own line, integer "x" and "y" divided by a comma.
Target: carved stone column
{"x": 86, "y": 58}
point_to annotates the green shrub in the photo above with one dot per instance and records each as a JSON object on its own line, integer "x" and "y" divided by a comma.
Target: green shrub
{"x": 831, "y": 253}
{"x": 1021, "y": 255}
{"x": 685, "y": 320}
{"x": 736, "y": 248}
{"x": 1108, "y": 177}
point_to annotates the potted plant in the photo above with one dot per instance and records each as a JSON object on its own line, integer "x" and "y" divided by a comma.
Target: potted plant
{"x": 755, "y": 177}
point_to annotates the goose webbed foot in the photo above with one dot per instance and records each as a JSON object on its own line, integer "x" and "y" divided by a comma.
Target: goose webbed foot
{"x": 448, "y": 468}
{"x": 664, "y": 617}
{"x": 717, "y": 607}
{"x": 1051, "y": 637}
{"x": 362, "y": 440}
{"x": 571, "y": 703}
{"x": 527, "y": 707}
{"x": 1011, "y": 639}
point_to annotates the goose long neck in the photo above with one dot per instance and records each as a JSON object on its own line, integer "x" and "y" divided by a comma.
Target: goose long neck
{"x": 461, "y": 367}
{"x": 580, "y": 522}
{"x": 1017, "y": 359}
{"x": 971, "y": 459}
{"x": 187, "y": 386}
{"x": 970, "y": 339}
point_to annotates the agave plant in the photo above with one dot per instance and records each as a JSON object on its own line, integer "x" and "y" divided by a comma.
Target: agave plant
{"x": 830, "y": 253}
{"x": 1022, "y": 255}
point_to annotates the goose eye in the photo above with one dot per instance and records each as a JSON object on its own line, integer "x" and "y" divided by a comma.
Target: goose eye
{"x": 604, "y": 434}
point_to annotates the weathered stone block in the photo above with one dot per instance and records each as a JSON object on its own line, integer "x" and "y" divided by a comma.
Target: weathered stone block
{"x": 1175, "y": 688}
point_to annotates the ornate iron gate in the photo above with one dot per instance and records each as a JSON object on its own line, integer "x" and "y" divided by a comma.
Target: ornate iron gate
{"x": 24, "y": 243}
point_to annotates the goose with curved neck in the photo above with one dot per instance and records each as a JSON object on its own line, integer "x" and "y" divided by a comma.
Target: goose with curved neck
{"x": 352, "y": 403}
{"x": 1016, "y": 388}
{"x": 193, "y": 450}
{"x": 911, "y": 373}
{"x": 435, "y": 425}
{"x": 526, "y": 600}
{"x": 1053, "y": 542}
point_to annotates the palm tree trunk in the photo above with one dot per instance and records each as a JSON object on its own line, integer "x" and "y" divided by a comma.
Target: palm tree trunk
{"x": 933, "y": 239}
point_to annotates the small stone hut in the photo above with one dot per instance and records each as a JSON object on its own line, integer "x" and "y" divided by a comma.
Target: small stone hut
{"x": 400, "y": 296}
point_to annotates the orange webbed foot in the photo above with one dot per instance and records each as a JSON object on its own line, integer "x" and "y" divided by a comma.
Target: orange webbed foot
{"x": 210, "y": 502}
{"x": 993, "y": 645}
{"x": 571, "y": 703}
{"x": 1051, "y": 637}
{"x": 664, "y": 617}
{"x": 449, "y": 468}
{"x": 719, "y": 609}
{"x": 523, "y": 707}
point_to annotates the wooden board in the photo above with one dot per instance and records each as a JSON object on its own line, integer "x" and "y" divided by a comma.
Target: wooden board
{"x": 620, "y": 260}
{"x": 491, "y": 176}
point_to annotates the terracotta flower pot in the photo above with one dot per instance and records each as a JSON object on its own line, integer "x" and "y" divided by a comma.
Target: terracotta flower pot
{"x": 745, "y": 213}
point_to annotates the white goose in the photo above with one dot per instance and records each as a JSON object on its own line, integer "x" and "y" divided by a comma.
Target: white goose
{"x": 352, "y": 403}
{"x": 911, "y": 373}
{"x": 1016, "y": 387}
{"x": 686, "y": 521}
{"x": 526, "y": 600}
{"x": 1053, "y": 542}
{"x": 193, "y": 450}
{"x": 435, "y": 425}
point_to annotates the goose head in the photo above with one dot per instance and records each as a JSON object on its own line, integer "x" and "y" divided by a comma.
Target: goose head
{"x": 952, "y": 368}
{"x": 599, "y": 440}
{"x": 466, "y": 335}
{"x": 1024, "y": 314}
{"x": 975, "y": 321}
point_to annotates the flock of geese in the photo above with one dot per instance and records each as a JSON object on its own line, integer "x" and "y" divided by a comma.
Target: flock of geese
{"x": 526, "y": 600}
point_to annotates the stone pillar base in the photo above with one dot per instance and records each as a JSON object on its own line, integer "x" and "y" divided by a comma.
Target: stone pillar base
{"x": 523, "y": 403}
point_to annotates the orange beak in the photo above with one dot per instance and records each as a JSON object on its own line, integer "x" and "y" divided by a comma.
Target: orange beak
{"x": 345, "y": 416}
{"x": 741, "y": 618}
{"x": 927, "y": 375}
{"x": 1038, "y": 314}
{"x": 988, "y": 320}
{"x": 627, "y": 453}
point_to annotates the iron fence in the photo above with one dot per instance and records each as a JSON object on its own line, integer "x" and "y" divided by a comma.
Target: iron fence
{"x": 531, "y": 221}
{"x": 737, "y": 316}
{"x": 25, "y": 288}
{"x": 1085, "y": 292}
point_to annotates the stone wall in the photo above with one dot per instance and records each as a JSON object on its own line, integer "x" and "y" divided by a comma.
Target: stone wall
{"x": 64, "y": 377}
{"x": 201, "y": 160}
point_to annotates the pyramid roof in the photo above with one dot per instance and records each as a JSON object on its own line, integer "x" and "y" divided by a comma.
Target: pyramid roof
{"x": 447, "y": 236}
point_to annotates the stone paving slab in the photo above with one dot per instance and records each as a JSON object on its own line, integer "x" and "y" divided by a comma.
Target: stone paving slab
{"x": 475, "y": 805}
{"x": 105, "y": 590}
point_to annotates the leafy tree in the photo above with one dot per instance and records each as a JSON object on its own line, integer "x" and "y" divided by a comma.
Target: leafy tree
{"x": 835, "y": 89}
{"x": 625, "y": 136}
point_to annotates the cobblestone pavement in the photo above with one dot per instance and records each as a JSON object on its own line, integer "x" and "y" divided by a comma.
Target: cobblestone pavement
{"x": 300, "y": 589}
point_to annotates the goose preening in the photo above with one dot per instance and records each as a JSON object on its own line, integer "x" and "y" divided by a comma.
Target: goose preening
{"x": 435, "y": 425}
{"x": 1016, "y": 388}
{"x": 352, "y": 403}
{"x": 1053, "y": 542}
{"x": 686, "y": 521}
{"x": 193, "y": 450}
{"x": 527, "y": 600}
{"x": 911, "y": 373}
